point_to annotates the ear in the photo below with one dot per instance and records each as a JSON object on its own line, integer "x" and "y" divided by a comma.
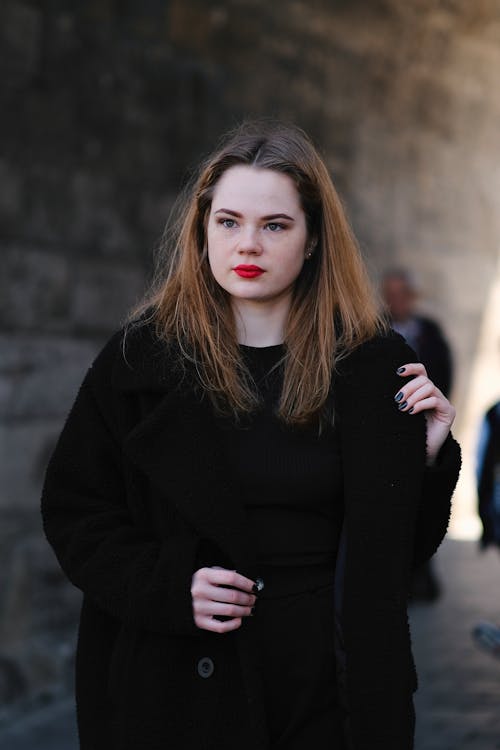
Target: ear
{"x": 310, "y": 247}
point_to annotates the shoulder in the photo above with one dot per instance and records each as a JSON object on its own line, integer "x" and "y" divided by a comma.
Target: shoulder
{"x": 380, "y": 354}
{"x": 364, "y": 388}
{"x": 134, "y": 358}
{"x": 366, "y": 380}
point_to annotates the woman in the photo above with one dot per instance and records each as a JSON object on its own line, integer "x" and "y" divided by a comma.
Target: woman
{"x": 250, "y": 451}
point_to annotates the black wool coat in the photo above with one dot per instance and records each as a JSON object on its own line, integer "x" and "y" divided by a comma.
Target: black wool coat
{"x": 138, "y": 496}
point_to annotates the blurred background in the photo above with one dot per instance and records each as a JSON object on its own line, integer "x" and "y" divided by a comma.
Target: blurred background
{"x": 106, "y": 106}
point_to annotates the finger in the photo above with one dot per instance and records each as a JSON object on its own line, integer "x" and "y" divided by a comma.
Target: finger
{"x": 426, "y": 404}
{"x": 437, "y": 409}
{"x": 217, "y": 626}
{"x": 425, "y": 391}
{"x": 202, "y": 590}
{"x": 221, "y": 577}
{"x": 229, "y": 596}
{"x": 224, "y": 577}
{"x": 211, "y": 608}
{"x": 226, "y": 597}
{"x": 410, "y": 387}
{"x": 411, "y": 368}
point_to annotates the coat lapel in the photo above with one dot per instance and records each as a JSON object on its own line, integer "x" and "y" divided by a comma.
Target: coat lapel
{"x": 178, "y": 445}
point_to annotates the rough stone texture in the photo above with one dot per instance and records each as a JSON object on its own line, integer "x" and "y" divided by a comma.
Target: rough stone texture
{"x": 100, "y": 118}
{"x": 37, "y": 619}
{"x": 104, "y": 107}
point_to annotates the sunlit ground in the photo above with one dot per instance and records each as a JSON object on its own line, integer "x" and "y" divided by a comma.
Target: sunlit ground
{"x": 483, "y": 391}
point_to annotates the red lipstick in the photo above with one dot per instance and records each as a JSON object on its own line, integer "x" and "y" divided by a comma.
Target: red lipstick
{"x": 248, "y": 272}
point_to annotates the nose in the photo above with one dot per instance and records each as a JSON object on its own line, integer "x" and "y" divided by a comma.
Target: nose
{"x": 249, "y": 242}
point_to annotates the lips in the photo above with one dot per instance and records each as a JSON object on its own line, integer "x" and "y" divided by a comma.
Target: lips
{"x": 248, "y": 272}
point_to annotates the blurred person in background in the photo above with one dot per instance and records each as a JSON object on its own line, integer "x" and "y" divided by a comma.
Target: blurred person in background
{"x": 488, "y": 476}
{"x": 425, "y": 336}
{"x": 245, "y": 464}
{"x": 487, "y": 634}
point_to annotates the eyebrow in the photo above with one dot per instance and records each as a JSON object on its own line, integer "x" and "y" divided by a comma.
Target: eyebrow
{"x": 264, "y": 218}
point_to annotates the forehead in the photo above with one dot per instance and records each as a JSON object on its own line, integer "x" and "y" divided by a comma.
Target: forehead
{"x": 243, "y": 186}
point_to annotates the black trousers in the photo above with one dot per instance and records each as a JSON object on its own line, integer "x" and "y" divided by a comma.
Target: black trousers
{"x": 294, "y": 636}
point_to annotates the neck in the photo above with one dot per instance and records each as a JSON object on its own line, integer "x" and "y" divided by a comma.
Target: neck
{"x": 259, "y": 324}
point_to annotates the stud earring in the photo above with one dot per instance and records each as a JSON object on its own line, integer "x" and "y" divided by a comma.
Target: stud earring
{"x": 310, "y": 250}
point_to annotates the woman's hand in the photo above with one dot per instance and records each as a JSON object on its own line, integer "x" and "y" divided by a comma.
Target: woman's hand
{"x": 420, "y": 394}
{"x": 218, "y": 592}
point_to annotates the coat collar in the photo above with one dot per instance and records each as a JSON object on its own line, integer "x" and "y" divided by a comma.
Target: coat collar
{"x": 178, "y": 445}
{"x": 143, "y": 362}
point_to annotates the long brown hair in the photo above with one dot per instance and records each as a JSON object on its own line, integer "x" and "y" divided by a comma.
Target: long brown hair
{"x": 333, "y": 308}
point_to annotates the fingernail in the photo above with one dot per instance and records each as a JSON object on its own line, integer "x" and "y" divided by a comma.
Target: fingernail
{"x": 400, "y": 370}
{"x": 398, "y": 396}
{"x": 258, "y": 586}
{"x": 410, "y": 411}
{"x": 403, "y": 405}
{"x": 252, "y": 611}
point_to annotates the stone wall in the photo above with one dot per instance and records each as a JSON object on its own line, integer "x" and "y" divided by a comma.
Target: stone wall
{"x": 101, "y": 116}
{"x": 403, "y": 99}
{"x": 104, "y": 107}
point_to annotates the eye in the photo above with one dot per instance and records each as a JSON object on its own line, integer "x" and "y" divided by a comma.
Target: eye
{"x": 275, "y": 226}
{"x": 227, "y": 223}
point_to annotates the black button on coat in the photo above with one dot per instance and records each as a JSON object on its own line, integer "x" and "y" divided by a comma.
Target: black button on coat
{"x": 137, "y": 497}
{"x": 206, "y": 667}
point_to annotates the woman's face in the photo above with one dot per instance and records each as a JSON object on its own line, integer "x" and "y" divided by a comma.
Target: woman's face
{"x": 256, "y": 234}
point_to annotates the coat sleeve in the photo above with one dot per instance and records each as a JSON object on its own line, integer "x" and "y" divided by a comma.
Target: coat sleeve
{"x": 134, "y": 577}
{"x": 383, "y": 458}
{"x": 435, "y": 504}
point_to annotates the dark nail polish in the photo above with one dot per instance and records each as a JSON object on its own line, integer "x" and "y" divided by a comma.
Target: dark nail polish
{"x": 400, "y": 370}
{"x": 398, "y": 396}
{"x": 403, "y": 405}
{"x": 252, "y": 611}
{"x": 410, "y": 411}
{"x": 258, "y": 586}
